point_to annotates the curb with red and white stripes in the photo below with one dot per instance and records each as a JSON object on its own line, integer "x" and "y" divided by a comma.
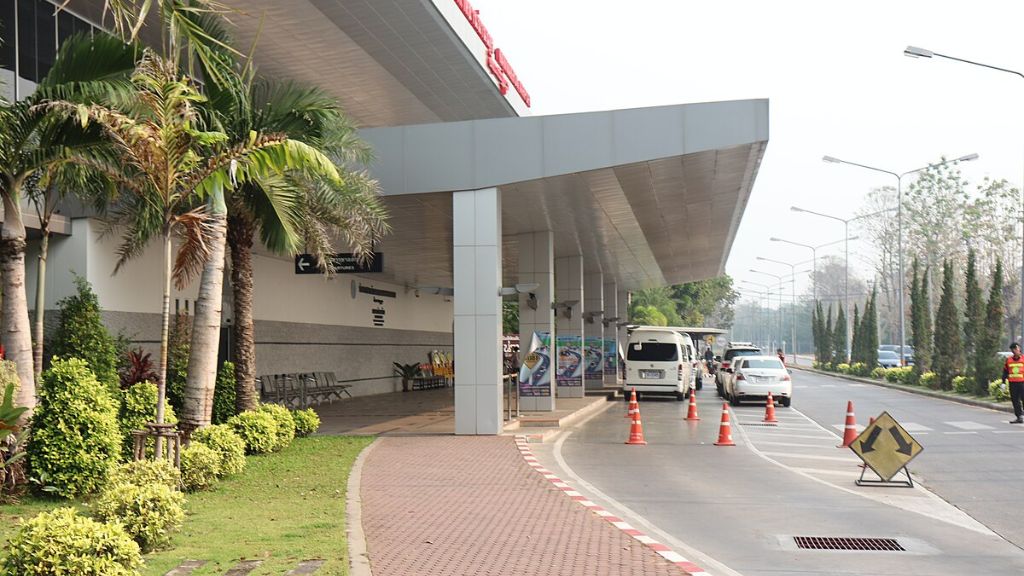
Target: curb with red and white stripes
{"x": 662, "y": 550}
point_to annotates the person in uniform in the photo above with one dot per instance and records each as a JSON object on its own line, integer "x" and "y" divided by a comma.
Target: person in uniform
{"x": 1013, "y": 371}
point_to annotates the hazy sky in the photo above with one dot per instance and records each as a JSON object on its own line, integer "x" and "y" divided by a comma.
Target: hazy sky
{"x": 837, "y": 81}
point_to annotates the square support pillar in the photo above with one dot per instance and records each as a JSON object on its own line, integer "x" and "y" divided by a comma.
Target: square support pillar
{"x": 476, "y": 222}
{"x": 569, "y": 320}
{"x": 611, "y": 332}
{"x": 593, "y": 330}
{"x": 537, "y": 264}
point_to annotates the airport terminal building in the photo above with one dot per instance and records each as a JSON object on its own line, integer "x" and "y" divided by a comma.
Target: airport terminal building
{"x": 576, "y": 209}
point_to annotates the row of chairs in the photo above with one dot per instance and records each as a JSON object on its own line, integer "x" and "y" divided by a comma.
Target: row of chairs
{"x": 301, "y": 390}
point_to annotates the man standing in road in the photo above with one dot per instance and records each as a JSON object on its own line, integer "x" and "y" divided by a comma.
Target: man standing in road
{"x": 1013, "y": 370}
{"x": 709, "y": 359}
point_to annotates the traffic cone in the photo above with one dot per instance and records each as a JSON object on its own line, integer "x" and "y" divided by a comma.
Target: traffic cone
{"x": 634, "y": 406}
{"x": 769, "y": 410}
{"x": 850, "y": 429}
{"x": 636, "y": 429}
{"x": 725, "y": 429}
{"x": 691, "y": 414}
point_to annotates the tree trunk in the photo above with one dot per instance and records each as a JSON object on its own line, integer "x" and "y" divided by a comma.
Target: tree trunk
{"x": 165, "y": 320}
{"x": 197, "y": 407}
{"x": 37, "y": 344}
{"x": 17, "y": 332}
{"x": 240, "y": 238}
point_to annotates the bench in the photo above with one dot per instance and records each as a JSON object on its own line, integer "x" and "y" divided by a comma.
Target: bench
{"x": 301, "y": 389}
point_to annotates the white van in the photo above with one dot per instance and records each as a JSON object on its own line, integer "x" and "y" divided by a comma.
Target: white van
{"x": 657, "y": 362}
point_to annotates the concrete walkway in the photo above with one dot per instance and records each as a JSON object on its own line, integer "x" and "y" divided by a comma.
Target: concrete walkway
{"x": 447, "y": 505}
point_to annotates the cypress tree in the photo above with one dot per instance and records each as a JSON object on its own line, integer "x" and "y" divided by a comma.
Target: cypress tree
{"x": 870, "y": 332}
{"x": 915, "y": 297}
{"x": 923, "y": 339}
{"x": 827, "y": 338}
{"x": 857, "y": 351}
{"x": 974, "y": 311}
{"x": 839, "y": 338}
{"x": 948, "y": 346}
{"x": 815, "y": 333}
{"x": 986, "y": 365}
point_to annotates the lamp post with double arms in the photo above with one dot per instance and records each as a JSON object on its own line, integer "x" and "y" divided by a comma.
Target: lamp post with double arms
{"x": 814, "y": 259}
{"x": 779, "y": 278}
{"x": 765, "y": 291}
{"x": 899, "y": 226}
{"x": 792, "y": 312}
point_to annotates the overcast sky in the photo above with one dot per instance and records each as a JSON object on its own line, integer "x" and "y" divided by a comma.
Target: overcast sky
{"x": 834, "y": 73}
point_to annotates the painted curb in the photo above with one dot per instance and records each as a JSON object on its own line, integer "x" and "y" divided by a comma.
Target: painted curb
{"x": 912, "y": 389}
{"x": 662, "y": 550}
{"x": 358, "y": 556}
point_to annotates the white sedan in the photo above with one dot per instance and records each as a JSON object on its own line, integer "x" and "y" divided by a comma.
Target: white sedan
{"x": 753, "y": 377}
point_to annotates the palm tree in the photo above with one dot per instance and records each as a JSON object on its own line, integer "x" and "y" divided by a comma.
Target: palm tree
{"x": 168, "y": 168}
{"x": 33, "y": 145}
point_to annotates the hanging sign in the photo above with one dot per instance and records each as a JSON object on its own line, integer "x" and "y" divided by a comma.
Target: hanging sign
{"x": 341, "y": 263}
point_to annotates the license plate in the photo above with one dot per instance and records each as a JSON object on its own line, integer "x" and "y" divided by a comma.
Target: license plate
{"x": 651, "y": 374}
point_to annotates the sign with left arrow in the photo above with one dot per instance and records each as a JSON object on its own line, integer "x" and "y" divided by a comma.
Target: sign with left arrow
{"x": 342, "y": 263}
{"x": 886, "y": 447}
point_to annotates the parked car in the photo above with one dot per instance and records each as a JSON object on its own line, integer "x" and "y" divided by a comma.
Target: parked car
{"x": 888, "y": 358}
{"x": 657, "y": 363}
{"x": 753, "y": 377}
{"x": 734, "y": 350}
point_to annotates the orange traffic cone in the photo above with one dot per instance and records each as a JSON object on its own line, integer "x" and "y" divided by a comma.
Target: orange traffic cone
{"x": 850, "y": 429}
{"x": 769, "y": 410}
{"x": 634, "y": 406}
{"x": 691, "y": 414}
{"x": 725, "y": 429}
{"x": 636, "y": 429}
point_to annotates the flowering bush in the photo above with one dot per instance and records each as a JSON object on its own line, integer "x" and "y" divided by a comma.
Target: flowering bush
{"x": 929, "y": 380}
{"x": 843, "y": 368}
{"x": 961, "y": 385}
{"x": 879, "y": 373}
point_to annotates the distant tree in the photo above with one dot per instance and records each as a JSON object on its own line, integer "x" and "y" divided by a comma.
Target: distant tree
{"x": 923, "y": 337}
{"x": 948, "y": 345}
{"x": 658, "y": 298}
{"x": 839, "y": 338}
{"x": 915, "y": 298}
{"x": 986, "y": 365}
{"x": 648, "y": 316}
{"x": 869, "y": 336}
{"x": 857, "y": 348}
{"x": 974, "y": 310}
{"x": 816, "y": 329}
{"x": 827, "y": 337}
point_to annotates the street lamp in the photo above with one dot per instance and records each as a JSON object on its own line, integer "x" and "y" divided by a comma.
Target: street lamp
{"x": 792, "y": 296}
{"x": 846, "y": 258}
{"x": 766, "y": 291}
{"x": 899, "y": 227}
{"x": 915, "y": 52}
{"x": 814, "y": 258}
{"x": 779, "y": 278}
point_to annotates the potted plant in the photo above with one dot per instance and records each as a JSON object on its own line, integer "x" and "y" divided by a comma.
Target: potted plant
{"x": 406, "y": 372}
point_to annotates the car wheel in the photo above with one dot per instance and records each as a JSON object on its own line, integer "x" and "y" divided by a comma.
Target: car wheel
{"x": 680, "y": 396}
{"x": 785, "y": 401}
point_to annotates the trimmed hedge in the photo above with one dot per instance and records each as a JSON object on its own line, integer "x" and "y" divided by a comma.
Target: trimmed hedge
{"x": 228, "y": 445}
{"x": 257, "y": 429}
{"x": 962, "y": 385}
{"x": 143, "y": 472}
{"x": 285, "y": 424}
{"x": 75, "y": 437}
{"x": 150, "y": 513}
{"x": 929, "y": 380}
{"x": 62, "y": 543}
{"x": 998, "y": 390}
{"x": 200, "y": 467}
{"x": 306, "y": 422}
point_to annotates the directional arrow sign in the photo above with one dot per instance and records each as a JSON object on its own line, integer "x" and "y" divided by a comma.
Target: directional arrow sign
{"x": 885, "y": 446}
{"x": 343, "y": 263}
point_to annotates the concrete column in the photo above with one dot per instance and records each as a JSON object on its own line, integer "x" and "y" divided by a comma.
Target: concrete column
{"x": 568, "y": 319}
{"x": 621, "y": 336}
{"x": 593, "y": 311}
{"x": 476, "y": 222}
{"x": 611, "y": 332}
{"x": 536, "y": 264}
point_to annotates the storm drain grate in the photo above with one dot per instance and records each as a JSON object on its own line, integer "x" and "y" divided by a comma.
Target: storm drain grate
{"x": 772, "y": 424}
{"x": 834, "y": 543}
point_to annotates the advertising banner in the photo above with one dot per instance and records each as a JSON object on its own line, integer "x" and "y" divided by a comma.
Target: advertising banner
{"x": 570, "y": 361}
{"x": 594, "y": 356}
{"x": 535, "y": 373}
{"x": 611, "y": 358}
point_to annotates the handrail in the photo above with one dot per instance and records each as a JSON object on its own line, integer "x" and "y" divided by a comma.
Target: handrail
{"x": 509, "y": 380}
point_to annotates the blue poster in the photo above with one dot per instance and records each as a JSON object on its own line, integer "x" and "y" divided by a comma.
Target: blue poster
{"x": 611, "y": 358}
{"x": 570, "y": 361}
{"x": 535, "y": 373}
{"x": 594, "y": 356}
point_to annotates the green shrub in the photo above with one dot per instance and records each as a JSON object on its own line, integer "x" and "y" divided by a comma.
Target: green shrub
{"x": 257, "y": 429}
{"x": 179, "y": 344}
{"x": 81, "y": 334}
{"x": 961, "y": 385}
{"x": 62, "y": 543}
{"x": 929, "y": 380}
{"x": 200, "y": 467}
{"x": 138, "y": 406}
{"x": 843, "y": 368}
{"x": 998, "y": 391}
{"x": 859, "y": 369}
{"x": 143, "y": 472}
{"x": 9, "y": 375}
{"x": 224, "y": 394}
{"x": 902, "y": 375}
{"x": 228, "y": 445}
{"x": 75, "y": 438}
{"x": 879, "y": 373}
{"x": 150, "y": 513}
{"x": 306, "y": 422}
{"x": 285, "y": 424}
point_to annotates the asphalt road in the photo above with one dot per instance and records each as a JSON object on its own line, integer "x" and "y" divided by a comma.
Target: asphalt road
{"x": 736, "y": 510}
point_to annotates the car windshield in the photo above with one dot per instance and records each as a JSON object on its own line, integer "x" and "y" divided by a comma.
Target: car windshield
{"x": 887, "y": 355}
{"x": 763, "y": 364}
{"x": 730, "y": 354}
{"x": 653, "y": 352}
{"x": 888, "y": 347}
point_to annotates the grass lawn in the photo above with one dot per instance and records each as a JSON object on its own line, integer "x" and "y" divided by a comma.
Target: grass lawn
{"x": 283, "y": 508}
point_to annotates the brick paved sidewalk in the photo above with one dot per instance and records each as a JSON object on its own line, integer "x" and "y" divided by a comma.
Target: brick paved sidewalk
{"x": 446, "y": 505}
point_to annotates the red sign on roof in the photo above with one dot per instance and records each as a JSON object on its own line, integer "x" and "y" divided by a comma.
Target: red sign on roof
{"x": 497, "y": 63}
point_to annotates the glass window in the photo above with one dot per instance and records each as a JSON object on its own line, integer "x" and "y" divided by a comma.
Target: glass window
{"x": 730, "y": 354}
{"x": 653, "y": 352}
{"x": 27, "y": 39}
{"x": 46, "y": 38}
{"x": 764, "y": 364}
{"x": 7, "y": 25}
{"x": 886, "y": 355}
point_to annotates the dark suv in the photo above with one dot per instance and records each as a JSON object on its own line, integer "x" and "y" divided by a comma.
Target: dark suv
{"x": 730, "y": 353}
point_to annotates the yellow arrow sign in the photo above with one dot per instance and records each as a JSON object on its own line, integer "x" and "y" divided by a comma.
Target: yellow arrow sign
{"x": 886, "y": 447}
{"x": 709, "y": 338}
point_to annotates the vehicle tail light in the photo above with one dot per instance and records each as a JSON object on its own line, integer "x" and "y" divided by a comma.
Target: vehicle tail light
{"x": 786, "y": 378}
{"x": 740, "y": 376}
{"x": 680, "y": 371}
{"x": 725, "y": 364}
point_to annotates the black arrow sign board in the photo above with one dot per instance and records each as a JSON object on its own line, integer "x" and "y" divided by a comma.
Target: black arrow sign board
{"x": 886, "y": 447}
{"x": 343, "y": 263}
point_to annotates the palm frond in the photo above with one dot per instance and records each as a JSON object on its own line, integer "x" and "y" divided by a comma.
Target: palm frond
{"x": 194, "y": 230}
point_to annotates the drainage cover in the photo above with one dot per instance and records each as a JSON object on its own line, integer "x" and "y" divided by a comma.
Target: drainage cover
{"x": 840, "y": 543}
{"x": 772, "y": 424}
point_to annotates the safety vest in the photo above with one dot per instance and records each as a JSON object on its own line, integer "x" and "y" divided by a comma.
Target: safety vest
{"x": 1015, "y": 369}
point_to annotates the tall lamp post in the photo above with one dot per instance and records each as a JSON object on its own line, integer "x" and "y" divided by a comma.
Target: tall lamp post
{"x": 899, "y": 226}
{"x": 792, "y": 295}
{"x": 814, "y": 258}
{"x": 779, "y": 278}
{"x": 765, "y": 290}
{"x": 915, "y": 52}
{"x": 846, "y": 258}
